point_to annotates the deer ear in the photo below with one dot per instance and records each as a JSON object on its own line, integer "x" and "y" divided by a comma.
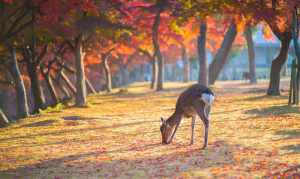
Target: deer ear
{"x": 162, "y": 120}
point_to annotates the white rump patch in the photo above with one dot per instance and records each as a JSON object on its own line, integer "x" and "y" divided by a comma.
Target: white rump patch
{"x": 207, "y": 98}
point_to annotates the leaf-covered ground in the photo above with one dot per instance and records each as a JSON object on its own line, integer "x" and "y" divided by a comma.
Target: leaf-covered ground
{"x": 117, "y": 136}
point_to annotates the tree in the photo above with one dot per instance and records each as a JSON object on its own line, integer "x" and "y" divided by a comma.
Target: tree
{"x": 3, "y": 119}
{"x": 251, "y": 55}
{"x": 203, "y": 77}
{"x": 278, "y": 15}
{"x": 22, "y": 103}
{"x": 221, "y": 57}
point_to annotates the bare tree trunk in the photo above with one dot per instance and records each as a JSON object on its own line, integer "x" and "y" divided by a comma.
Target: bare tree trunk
{"x": 63, "y": 89}
{"x": 251, "y": 55}
{"x": 80, "y": 74}
{"x": 203, "y": 77}
{"x": 90, "y": 86}
{"x": 142, "y": 73}
{"x": 277, "y": 64}
{"x": 186, "y": 64}
{"x": 107, "y": 74}
{"x": 154, "y": 73}
{"x": 36, "y": 87}
{"x": 3, "y": 119}
{"x": 221, "y": 57}
{"x": 285, "y": 69}
{"x": 158, "y": 55}
{"x": 52, "y": 89}
{"x": 124, "y": 75}
{"x": 22, "y": 102}
{"x": 68, "y": 82}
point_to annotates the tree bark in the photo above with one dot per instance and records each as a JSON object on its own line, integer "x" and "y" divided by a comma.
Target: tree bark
{"x": 36, "y": 87}
{"x": 203, "y": 77}
{"x": 277, "y": 64}
{"x": 154, "y": 73}
{"x": 80, "y": 74}
{"x": 142, "y": 73}
{"x": 3, "y": 119}
{"x": 68, "y": 82}
{"x": 124, "y": 75}
{"x": 52, "y": 89}
{"x": 22, "y": 102}
{"x": 251, "y": 55}
{"x": 63, "y": 89}
{"x": 186, "y": 64}
{"x": 107, "y": 73}
{"x": 90, "y": 86}
{"x": 221, "y": 57}
{"x": 157, "y": 52}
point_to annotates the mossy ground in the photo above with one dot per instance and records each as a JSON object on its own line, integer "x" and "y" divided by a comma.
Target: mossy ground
{"x": 117, "y": 136}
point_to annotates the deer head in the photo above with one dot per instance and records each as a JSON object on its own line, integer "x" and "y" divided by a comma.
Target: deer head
{"x": 166, "y": 131}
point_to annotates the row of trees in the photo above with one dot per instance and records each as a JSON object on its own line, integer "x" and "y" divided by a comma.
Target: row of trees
{"x": 48, "y": 41}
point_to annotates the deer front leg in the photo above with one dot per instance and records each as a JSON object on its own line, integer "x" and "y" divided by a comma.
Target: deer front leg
{"x": 200, "y": 108}
{"x": 206, "y": 124}
{"x": 193, "y": 130}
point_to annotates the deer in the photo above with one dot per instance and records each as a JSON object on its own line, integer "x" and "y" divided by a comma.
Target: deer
{"x": 194, "y": 101}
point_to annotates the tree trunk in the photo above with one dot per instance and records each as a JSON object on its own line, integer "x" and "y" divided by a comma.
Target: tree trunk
{"x": 154, "y": 73}
{"x": 157, "y": 52}
{"x": 68, "y": 82}
{"x": 285, "y": 69}
{"x": 22, "y": 103}
{"x": 80, "y": 74}
{"x": 52, "y": 89}
{"x": 186, "y": 65}
{"x": 108, "y": 84}
{"x": 63, "y": 89}
{"x": 221, "y": 57}
{"x": 277, "y": 64}
{"x": 90, "y": 86}
{"x": 251, "y": 55}
{"x": 36, "y": 87}
{"x": 142, "y": 73}
{"x": 3, "y": 119}
{"x": 124, "y": 75}
{"x": 203, "y": 78}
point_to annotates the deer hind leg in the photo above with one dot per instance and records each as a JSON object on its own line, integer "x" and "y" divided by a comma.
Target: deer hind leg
{"x": 201, "y": 111}
{"x": 193, "y": 129}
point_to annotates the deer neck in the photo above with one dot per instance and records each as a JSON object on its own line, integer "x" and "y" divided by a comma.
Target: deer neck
{"x": 174, "y": 119}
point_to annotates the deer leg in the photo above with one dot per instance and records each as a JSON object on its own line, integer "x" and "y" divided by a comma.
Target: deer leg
{"x": 193, "y": 130}
{"x": 201, "y": 111}
{"x": 206, "y": 124}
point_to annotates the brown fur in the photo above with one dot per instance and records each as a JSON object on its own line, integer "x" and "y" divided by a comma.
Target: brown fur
{"x": 189, "y": 104}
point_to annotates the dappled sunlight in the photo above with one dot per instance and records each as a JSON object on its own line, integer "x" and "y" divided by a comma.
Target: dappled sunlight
{"x": 117, "y": 135}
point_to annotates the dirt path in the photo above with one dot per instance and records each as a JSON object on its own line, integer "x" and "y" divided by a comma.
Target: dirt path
{"x": 118, "y": 136}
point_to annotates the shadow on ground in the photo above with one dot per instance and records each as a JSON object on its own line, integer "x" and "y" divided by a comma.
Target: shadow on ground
{"x": 274, "y": 110}
{"x": 40, "y": 123}
{"x": 292, "y": 149}
{"x": 289, "y": 134}
{"x": 218, "y": 154}
{"x": 64, "y": 131}
{"x": 261, "y": 97}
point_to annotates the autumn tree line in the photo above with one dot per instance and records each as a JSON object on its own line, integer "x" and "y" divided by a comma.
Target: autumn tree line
{"x": 52, "y": 45}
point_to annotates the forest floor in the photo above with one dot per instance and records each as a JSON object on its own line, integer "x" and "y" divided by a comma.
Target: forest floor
{"x": 117, "y": 136}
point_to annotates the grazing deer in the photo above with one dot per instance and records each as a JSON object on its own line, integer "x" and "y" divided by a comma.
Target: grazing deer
{"x": 196, "y": 100}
